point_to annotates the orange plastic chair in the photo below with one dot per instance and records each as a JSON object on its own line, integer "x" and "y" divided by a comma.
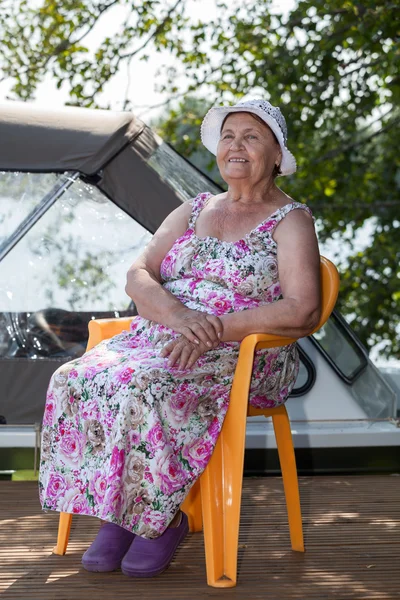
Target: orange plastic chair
{"x": 213, "y": 503}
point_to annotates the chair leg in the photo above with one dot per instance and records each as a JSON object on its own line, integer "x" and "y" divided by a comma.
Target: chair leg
{"x": 215, "y": 522}
{"x": 287, "y": 460}
{"x": 64, "y": 527}
{"x": 221, "y": 494}
{"x": 192, "y": 508}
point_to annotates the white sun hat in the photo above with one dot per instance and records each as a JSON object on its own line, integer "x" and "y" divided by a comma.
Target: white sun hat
{"x": 271, "y": 115}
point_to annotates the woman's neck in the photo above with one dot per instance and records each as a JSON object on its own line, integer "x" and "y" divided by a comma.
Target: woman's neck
{"x": 265, "y": 192}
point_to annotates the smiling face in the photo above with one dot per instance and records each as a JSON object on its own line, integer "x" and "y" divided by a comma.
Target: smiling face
{"x": 247, "y": 149}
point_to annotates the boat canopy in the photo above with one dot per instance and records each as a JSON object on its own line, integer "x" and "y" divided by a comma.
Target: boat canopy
{"x": 111, "y": 149}
{"x": 81, "y": 192}
{"x": 74, "y": 139}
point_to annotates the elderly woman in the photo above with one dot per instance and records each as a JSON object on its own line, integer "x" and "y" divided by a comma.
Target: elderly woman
{"x": 130, "y": 426}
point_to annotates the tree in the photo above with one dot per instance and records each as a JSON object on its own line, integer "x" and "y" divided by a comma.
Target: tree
{"x": 335, "y": 65}
{"x": 331, "y": 65}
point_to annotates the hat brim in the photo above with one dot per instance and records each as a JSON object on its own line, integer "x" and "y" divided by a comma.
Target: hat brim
{"x": 211, "y": 129}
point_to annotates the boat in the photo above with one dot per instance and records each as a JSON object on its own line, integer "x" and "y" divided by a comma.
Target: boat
{"x": 82, "y": 191}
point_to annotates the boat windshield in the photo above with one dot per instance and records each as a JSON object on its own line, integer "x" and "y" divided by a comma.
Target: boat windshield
{"x": 20, "y": 195}
{"x": 341, "y": 348}
{"x": 180, "y": 174}
{"x": 70, "y": 265}
{"x": 348, "y": 357}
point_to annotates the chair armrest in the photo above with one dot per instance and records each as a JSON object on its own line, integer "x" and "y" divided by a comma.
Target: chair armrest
{"x": 104, "y": 329}
{"x": 256, "y": 341}
{"x": 244, "y": 367}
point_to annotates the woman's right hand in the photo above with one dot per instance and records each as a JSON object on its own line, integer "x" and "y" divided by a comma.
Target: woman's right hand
{"x": 198, "y": 327}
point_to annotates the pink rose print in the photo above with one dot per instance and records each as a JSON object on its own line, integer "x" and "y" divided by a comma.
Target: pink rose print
{"x": 215, "y": 268}
{"x": 117, "y": 463}
{"x": 167, "y": 265}
{"x": 182, "y": 405}
{"x": 133, "y": 341}
{"x": 184, "y": 237}
{"x": 284, "y": 392}
{"x": 198, "y": 453}
{"x": 72, "y": 444}
{"x": 244, "y": 302}
{"x": 90, "y": 372}
{"x": 156, "y": 519}
{"x": 135, "y": 519}
{"x": 156, "y": 438}
{"x": 262, "y": 402}
{"x": 268, "y": 297}
{"x": 49, "y": 411}
{"x": 170, "y": 474}
{"x": 193, "y": 285}
{"x": 217, "y": 300}
{"x": 113, "y": 499}
{"x": 90, "y": 410}
{"x": 276, "y": 290}
{"x": 125, "y": 375}
{"x": 214, "y": 429}
{"x": 148, "y": 476}
{"x": 56, "y": 485}
{"x": 98, "y": 486}
{"x": 241, "y": 245}
{"x": 74, "y": 502}
{"x": 134, "y": 438}
{"x": 134, "y": 324}
{"x": 267, "y": 226}
{"x": 73, "y": 374}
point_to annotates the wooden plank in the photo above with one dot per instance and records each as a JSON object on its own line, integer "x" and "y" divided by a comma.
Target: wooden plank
{"x": 351, "y": 529}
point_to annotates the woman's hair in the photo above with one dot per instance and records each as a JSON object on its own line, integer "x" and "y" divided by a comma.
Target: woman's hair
{"x": 277, "y": 169}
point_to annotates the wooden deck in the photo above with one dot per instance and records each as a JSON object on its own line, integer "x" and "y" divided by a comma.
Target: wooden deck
{"x": 352, "y": 537}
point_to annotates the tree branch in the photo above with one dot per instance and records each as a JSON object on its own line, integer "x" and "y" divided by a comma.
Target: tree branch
{"x": 130, "y": 55}
{"x": 34, "y": 68}
{"x": 364, "y": 65}
{"x": 174, "y": 97}
{"x": 102, "y": 10}
{"x": 380, "y": 118}
{"x": 157, "y": 30}
{"x": 128, "y": 83}
{"x": 338, "y": 151}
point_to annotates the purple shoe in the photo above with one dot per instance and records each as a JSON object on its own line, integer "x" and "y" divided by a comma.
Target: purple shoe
{"x": 147, "y": 558}
{"x": 108, "y": 548}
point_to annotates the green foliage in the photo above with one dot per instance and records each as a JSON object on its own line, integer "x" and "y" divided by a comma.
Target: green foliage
{"x": 333, "y": 67}
{"x": 47, "y": 37}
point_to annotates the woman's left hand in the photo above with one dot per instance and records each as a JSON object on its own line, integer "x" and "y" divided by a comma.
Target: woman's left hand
{"x": 183, "y": 351}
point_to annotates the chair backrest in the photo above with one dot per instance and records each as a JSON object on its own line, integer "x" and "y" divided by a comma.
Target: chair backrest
{"x": 329, "y": 290}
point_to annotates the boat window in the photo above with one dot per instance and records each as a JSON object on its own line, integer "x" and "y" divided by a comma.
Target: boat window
{"x": 181, "y": 175}
{"x": 306, "y": 375}
{"x": 374, "y": 394}
{"x": 70, "y": 266}
{"x": 341, "y": 348}
{"x": 20, "y": 193}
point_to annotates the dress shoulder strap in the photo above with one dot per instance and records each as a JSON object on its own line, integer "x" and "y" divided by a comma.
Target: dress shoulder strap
{"x": 285, "y": 210}
{"x": 198, "y": 203}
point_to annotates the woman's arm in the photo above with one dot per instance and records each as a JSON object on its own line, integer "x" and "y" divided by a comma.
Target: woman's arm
{"x": 298, "y": 312}
{"x": 143, "y": 278}
{"x": 156, "y": 303}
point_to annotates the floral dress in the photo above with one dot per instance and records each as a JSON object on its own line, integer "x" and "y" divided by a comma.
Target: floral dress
{"x": 125, "y": 436}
